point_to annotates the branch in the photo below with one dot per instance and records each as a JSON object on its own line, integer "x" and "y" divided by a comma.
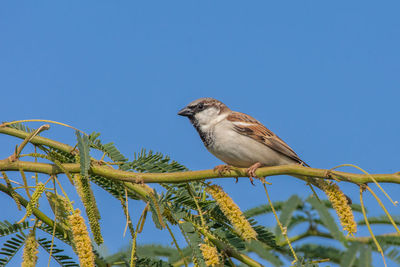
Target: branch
{"x": 187, "y": 176}
{"x": 40, "y": 215}
{"x": 229, "y": 250}
{"x": 317, "y": 233}
{"x": 37, "y": 140}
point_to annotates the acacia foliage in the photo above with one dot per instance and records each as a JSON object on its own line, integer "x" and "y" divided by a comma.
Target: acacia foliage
{"x": 182, "y": 209}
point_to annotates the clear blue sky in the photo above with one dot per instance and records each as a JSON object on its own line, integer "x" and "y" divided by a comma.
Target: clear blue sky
{"x": 322, "y": 75}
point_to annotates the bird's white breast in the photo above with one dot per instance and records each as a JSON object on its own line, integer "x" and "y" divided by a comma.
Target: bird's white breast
{"x": 242, "y": 151}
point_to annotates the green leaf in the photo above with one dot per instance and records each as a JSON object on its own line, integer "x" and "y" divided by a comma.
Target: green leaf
{"x": 220, "y": 231}
{"x": 6, "y": 228}
{"x": 393, "y": 254}
{"x": 365, "y": 259}
{"x": 278, "y": 205}
{"x": 146, "y": 262}
{"x": 388, "y": 240}
{"x": 11, "y": 247}
{"x": 264, "y": 252}
{"x": 327, "y": 219}
{"x": 156, "y": 210}
{"x": 56, "y": 253}
{"x": 319, "y": 251}
{"x": 383, "y": 219}
{"x": 286, "y": 214}
{"x": 194, "y": 242}
{"x": 263, "y": 209}
{"x": 84, "y": 149}
{"x": 111, "y": 151}
{"x": 350, "y": 255}
{"x": 263, "y": 234}
{"x": 152, "y": 162}
{"x": 21, "y": 127}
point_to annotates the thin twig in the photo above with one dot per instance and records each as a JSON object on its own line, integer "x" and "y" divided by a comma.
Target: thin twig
{"x": 283, "y": 230}
{"x": 369, "y": 227}
{"x": 176, "y": 245}
{"x": 203, "y": 223}
{"x": 27, "y": 139}
{"x": 384, "y": 208}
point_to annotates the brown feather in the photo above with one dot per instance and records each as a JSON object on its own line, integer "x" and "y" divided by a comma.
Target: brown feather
{"x": 260, "y": 133}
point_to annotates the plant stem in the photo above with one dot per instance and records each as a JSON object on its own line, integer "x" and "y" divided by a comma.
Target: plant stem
{"x": 179, "y": 177}
{"x": 40, "y": 215}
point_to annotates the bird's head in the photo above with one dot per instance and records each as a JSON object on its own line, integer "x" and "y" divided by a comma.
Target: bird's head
{"x": 204, "y": 111}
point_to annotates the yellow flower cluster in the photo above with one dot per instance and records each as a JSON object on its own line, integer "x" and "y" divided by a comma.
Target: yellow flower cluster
{"x": 341, "y": 206}
{"x": 210, "y": 255}
{"x": 30, "y": 251}
{"x": 83, "y": 245}
{"x": 34, "y": 201}
{"x": 82, "y": 185}
{"x": 11, "y": 190}
{"x": 232, "y": 212}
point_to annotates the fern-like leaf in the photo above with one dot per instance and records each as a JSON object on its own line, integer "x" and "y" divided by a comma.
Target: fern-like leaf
{"x": 57, "y": 254}
{"x": 383, "y": 219}
{"x": 316, "y": 251}
{"x": 147, "y": 262}
{"x": 222, "y": 234}
{"x": 21, "y": 127}
{"x": 111, "y": 151}
{"x": 350, "y": 256}
{"x": 393, "y": 254}
{"x": 264, "y": 252}
{"x": 152, "y": 162}
{"x": 287, "y": 212}
{"x": 156, "y": 210}
{"x": 278, "y": 205}
{"x": 365, "y": 259}
{"x": 49, "y": 230}
{"x": 84, "y": 149}
{"x": 327, "y": 219}
{"x": 6, "y": 228}
{"x": 11, "y": 247}
{"x": 263, "y": 234}
{"x": 194, "y": 242}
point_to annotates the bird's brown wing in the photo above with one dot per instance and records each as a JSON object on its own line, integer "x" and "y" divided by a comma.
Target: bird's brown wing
{"x": 248, "y": 126}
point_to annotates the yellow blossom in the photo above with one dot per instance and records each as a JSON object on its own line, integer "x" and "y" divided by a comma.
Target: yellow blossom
{"x": 232, "y": 212}
{"x": 81, "y": 239}
{"x": 34, "y": 201}
{"x": 341, "y": 206}
{"x": 210, "y": 255}
{"x": 82, "y": 185}
{"x": 30, "y": 251}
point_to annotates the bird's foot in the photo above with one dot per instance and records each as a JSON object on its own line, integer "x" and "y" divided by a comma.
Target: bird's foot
{"x": 222, "y": 169}
{"x": 251, "y": 171}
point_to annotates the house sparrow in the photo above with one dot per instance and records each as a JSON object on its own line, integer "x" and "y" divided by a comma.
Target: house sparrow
{"x": 237, "y": 139}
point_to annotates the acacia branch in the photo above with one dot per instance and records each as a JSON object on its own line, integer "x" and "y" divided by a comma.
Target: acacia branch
{"x": 187, "y": 176}
{"x": 317, "y": 233}
{"x": 178, "y": 177}
{"x": 40, "y": 215}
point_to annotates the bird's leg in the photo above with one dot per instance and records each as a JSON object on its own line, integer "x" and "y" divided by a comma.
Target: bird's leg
{"x": 222, "y": 169}
{"x": 251, "y": 171}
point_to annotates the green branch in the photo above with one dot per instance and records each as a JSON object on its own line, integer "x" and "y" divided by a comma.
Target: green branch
{"x": 37, "y": 140}
{"x": 40, "y": 215}
{"x": 316, "y": 233}
{"x": 229, "y": 250}
{"x": 179, "y": 177}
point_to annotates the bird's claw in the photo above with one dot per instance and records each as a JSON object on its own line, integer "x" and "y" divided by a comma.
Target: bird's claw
{"x": 251, "y": 171}
{"x": 222, "y": 169}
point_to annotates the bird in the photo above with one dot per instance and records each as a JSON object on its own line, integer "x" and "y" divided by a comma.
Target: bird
{"x": 236, "y": 138}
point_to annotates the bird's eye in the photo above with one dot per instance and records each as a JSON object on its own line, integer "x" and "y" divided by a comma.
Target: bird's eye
{"x": 200, "y": 106}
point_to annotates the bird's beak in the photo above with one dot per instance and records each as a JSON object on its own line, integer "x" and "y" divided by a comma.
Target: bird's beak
{"x": 186, "y": 112}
